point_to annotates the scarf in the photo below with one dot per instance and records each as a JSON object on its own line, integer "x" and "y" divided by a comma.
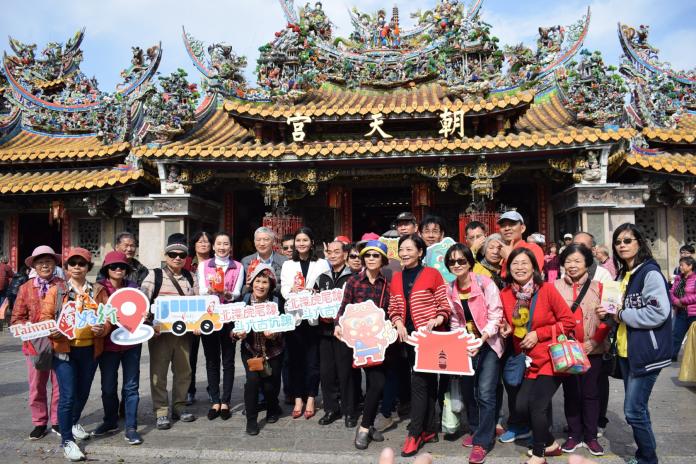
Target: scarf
{"x": 43, "y": 285}
{"x": 680, "y": 289}
{"x": 520, "y": 314}
{"x": 495, "y": 273}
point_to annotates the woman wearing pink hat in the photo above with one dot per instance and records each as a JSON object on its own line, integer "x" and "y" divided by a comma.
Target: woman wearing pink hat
{"x": 75, "y": 360}
{"x": 113, "y": 276}
{"x": 27, "y": 309}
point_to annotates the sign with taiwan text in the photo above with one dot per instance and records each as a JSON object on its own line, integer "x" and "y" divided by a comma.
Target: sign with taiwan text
{"x": 309, "y": 306}
{"x": 443, "y": 352}
{"x": 365, "y": 329}
{"x": 435, "y": 258}
{"x": 33, "y": 331}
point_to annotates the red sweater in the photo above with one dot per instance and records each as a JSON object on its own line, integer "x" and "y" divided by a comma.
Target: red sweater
{"x": 428, "y": 298}
{"x": 551, "y": 309}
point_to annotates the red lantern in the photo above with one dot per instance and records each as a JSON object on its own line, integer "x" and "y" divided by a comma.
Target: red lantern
{"x": 421, "y": 194}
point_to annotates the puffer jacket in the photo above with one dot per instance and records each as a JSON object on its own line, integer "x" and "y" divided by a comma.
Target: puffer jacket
{"x": 688, "y": 301}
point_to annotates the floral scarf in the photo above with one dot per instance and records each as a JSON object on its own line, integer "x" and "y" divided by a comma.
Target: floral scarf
{"x": 43, "y": 285}
{"x": 520, "y": 314}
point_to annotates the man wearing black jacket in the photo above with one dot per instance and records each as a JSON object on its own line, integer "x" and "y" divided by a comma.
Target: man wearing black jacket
{"x": 335, "y": 357}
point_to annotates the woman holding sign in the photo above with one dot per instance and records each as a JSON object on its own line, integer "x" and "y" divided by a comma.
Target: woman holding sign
{"x": 476, "y": 307}
{"x": 75, "y": 355}
{"x": 533, "y": 309}
{"x": 224, "y": 277}
{"x": 264, "y": 351}
{"x": 581, "y": 392}
{"x": 299, "y": 274}
{"x": 418, "y": 301}
{"x": 113, "y": 276}
{"x": 368, "y": 285}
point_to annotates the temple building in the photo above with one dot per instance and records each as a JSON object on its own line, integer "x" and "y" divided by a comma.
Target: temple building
{"x": 343, "y": 133}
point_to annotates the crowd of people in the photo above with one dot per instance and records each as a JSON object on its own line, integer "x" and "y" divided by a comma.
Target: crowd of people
{"x": 507, "y": 291}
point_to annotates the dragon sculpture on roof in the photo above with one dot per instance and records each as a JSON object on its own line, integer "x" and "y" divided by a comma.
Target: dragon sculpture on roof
{"x": 660, "y": 95}
{"x": 449, "y": 43}
{"x": 55, "y": 97}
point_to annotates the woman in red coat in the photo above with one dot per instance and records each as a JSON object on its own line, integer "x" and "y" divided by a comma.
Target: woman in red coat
{"x": 418, "y": 301}
{"x": 532, "y": 309}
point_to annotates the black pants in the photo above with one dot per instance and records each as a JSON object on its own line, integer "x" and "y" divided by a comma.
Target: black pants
{"x": 603, "y": 385}
{"x": 424, "y": 388}
{"x": 375, "y": 386}
{"x": 533, "y": 404}
{"x": 337, "y": 375}
{"x": 581, "y": 401}
{"x": 255, "y": 383}
{"x": 216, "y": 346}
{"x": 193, "y": 360}
{"x": 303, "y": 359}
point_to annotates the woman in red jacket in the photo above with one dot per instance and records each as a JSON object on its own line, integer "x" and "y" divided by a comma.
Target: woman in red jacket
{"x": 532, "y": 309}
{"x": 418, "y": 301}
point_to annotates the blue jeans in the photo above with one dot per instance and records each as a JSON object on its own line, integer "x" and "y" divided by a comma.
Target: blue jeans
{"x": 108, "y": 366}
{"x": 479, "y": 393}
{"x": 637, "y": 394}
{"x": 682, "y": 322}
{"x": 74, "y": 382}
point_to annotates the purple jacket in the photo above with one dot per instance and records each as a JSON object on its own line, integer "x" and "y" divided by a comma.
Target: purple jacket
{"x": 485, "y": 306}
{"x": 689, "y": 298}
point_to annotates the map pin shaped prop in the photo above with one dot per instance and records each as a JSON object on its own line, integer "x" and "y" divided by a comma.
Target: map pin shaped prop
{"x": 131, "y": 307}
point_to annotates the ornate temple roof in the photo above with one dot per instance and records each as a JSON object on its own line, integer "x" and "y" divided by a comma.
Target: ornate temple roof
{"x": 333, "y": 102}
{"x": 30, "y": 147}
{"x": 71, "y": 180}
{"x": 549, "y": 113}
{"x": 671, "y": 163}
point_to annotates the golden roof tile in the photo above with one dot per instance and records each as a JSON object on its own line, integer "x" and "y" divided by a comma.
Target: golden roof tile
{"x": 69, "y": 180}
{"x": 675, "y": 163}
{"x": 28, "y": 146}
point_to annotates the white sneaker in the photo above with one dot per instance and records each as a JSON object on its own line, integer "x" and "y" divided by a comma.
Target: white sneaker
{"x": 383, "y": 423}
{"x": 72, "y": 451}
{"x": 79, "y": 432}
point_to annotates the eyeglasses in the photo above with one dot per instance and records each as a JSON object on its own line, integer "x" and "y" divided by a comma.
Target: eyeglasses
{"x": 118, "y": 267}
{"x": 372, "y": 255}
{"x": 287, "y": 248}
{"x": 174, "y": 255}
{"x": 79, "y": 263}
{"x": 353, "y": 256}
{"x": 458, "y": 261}
{"x": 625, "y": 241}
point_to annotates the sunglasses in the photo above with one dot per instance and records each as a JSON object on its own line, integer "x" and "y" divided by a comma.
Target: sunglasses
{"x": 118, "y": 267}
{"x": 287, "y": 248}
{"x": 352, "y": 256}
{"x": 625, "y": 241}
{"x": 458, "y": 261}
{"x": 372, "y": 255}
{"x": 80, "y": 263}
{"x": 174, "y": 255}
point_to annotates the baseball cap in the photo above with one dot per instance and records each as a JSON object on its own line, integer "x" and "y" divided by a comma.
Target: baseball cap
{"x": 406, "y": 217}
{"x": 513, "y": 216}
{"x": 568, "y": 236}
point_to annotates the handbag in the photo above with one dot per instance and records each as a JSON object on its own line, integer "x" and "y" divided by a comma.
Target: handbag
{"x": 260, "y": 364}
{"x": 450, "y": 419}
{"x": 516, "y": 364}
{"x": 42, "y": 348}
{"x": 567, "y": 356}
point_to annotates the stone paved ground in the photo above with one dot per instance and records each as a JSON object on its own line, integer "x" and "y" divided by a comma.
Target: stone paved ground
{"x": 673, "y": 409}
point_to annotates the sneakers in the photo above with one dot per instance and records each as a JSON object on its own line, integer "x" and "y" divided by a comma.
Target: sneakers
{"x": 72, "y": 451}
{"x": 513, "y": 434}
{"x": 133, "y": 437}
{"x": 383, "y": 423}
{"x": 594, "y": 448}
{"x": 570, "y": 445}
{"x": 468, "y": 441}
{"x": 38, "y": 432}
{"x": 79, "y": 432}
{"x": 104, "y": 429}
{"x": 429, "y": 437}
{"x": 411, "y": 446}
{"x": 478, "y": 455}
{"x": 163, "y": 423}
{"x": 184, "y": 417}
{"x": 55, "y": 429}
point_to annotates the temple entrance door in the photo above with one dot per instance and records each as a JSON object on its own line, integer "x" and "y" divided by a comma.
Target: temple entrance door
{"x": 34, "y": 230}
{"x": 375, "y": 209}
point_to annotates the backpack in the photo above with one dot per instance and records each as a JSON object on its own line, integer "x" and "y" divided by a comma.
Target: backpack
{"x": 159, "y": 277}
